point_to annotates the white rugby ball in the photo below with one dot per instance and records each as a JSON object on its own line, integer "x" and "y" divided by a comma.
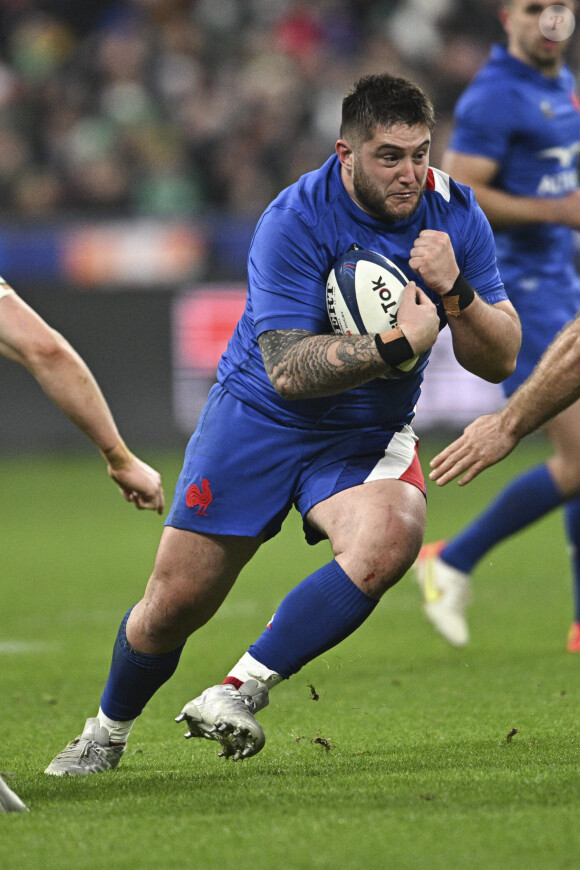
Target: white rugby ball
{"x": 363, "y": 293}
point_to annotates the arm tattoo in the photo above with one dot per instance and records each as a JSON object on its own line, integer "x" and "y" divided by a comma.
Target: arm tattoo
{"x": 302, "y": 364}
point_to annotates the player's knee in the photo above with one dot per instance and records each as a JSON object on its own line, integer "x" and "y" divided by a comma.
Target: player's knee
{"x": 160, "y": 626}
{"x": 391, "y": 568}
{"x": 565, "y": 472}
{"x": 391, "y": 555}
{"x": 171, "y": 611}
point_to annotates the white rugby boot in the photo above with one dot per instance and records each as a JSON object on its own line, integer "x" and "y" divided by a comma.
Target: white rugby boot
{"x": 9, "y": 800}
{"x": 446, "y": 594}
{"x": 88, "y": 753}
{"x": 226, "y": 714}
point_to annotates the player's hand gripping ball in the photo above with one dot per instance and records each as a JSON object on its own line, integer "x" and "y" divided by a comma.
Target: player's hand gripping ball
{"x": 363, "y": 292}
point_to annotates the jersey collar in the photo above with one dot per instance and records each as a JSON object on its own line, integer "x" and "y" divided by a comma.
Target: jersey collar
{"x": 500, "y": 55}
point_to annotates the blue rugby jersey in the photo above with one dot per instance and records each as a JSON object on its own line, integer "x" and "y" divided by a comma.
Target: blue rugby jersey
{"x": 530, "y": 125}
{"x": 296, "y": 242}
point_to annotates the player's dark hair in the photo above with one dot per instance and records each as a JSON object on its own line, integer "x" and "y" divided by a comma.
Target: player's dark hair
{"x": 381, "y": 101}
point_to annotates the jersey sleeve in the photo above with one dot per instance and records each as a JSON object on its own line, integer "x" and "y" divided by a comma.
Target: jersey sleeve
{"x": 480, "y": 262}
{"x": 485, "y": 119}
{"x": 286, "y": 275}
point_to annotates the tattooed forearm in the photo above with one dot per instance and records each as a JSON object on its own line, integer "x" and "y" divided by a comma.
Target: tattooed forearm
{"x": 304, "y": 365}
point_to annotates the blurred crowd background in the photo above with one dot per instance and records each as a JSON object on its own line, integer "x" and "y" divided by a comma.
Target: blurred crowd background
{"x": 172, "y": 108}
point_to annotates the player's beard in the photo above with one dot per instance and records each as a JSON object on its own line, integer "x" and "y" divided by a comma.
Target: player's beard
{"x": 547, "y": 63}
{"x": 374, "y": 201}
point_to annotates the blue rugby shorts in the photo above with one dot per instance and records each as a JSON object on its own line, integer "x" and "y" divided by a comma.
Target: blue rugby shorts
{"x": 540, "y": 322}
{"x": 243, "y": 471}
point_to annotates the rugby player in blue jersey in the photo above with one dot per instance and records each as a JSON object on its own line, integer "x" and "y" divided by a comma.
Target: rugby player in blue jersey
{"x": 302, "y": 417}
{"x": 516, "y": 142}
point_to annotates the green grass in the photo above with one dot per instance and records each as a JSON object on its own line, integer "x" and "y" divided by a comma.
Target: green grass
{"x": 402, "y": 763}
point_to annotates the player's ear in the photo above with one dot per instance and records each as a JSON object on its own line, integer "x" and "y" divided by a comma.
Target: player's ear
{"x": 503, "y": 13}
{"x": 344, "y": 152}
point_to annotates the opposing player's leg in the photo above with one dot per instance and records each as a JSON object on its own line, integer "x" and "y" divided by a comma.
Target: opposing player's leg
{"x": 193, "y": 574}
{"x": 9, "y": 800}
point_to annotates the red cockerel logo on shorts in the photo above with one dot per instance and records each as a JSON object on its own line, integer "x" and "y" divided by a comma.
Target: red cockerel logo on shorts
{"x": 200, "y": 498}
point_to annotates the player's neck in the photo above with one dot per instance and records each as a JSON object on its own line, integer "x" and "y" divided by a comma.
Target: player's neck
{"x": 551, "y": 68}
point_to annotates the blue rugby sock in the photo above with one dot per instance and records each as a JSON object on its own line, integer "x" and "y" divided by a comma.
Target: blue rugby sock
{"x": 526, "y": 499}
{"x": 320, "y": 612}
{"x": 134, "y": 677}
{"x": 572, "y": 517}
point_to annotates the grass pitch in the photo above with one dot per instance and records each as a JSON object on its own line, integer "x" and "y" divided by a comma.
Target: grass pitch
{"x": 415, "y": 755}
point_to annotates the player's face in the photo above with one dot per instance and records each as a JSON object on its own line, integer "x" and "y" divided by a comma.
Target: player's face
{"x": 389, "y": 172}
{"x": 521, "y": 20}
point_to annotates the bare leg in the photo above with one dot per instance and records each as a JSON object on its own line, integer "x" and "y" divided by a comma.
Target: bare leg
{"x": 376, "y": 531}
{"x": 192, "y": 576}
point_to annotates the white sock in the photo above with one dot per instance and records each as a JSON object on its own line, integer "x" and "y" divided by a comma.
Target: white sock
{"x": 118, "y": 731}
{"x": 248, "y": 668}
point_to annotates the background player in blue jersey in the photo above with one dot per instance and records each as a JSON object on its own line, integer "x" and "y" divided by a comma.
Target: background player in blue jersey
{"x": 516, "y": 143}
{"x": 302, "y": 417}
{"x": 26, "y": 338}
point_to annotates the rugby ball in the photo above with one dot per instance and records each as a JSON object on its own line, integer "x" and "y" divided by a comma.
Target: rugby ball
{"x": 363, "y": 293}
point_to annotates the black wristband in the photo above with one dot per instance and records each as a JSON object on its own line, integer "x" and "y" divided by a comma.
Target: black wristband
{"x": 459, "y": 297}
{"x": 396, "y": 351}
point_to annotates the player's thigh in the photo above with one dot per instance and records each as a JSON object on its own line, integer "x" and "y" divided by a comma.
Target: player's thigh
{"x": 375, "y": 529}
{"x": 192, "y": 576}
{"x": 564, "y": 435}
